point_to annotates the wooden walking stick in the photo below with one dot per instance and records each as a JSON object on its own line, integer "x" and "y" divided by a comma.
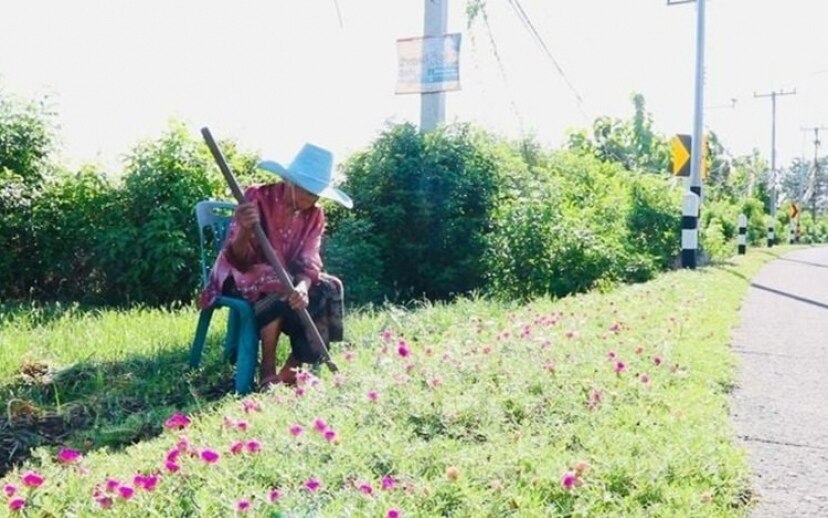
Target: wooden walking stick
{"x": 316, "y": 342}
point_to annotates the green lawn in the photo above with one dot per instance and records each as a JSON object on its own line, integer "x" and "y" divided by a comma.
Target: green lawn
{"x": 597, "y": 405}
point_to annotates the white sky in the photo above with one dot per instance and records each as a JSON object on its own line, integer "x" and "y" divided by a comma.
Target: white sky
{"x": 273, "y": 74}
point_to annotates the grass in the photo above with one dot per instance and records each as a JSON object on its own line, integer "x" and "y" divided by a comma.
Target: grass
{"x": 624, "y": 394}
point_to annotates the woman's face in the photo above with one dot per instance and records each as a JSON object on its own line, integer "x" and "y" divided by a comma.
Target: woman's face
{"x": 303, "y": 199}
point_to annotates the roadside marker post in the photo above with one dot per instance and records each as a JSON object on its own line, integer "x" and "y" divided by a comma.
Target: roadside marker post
{"x": 741, "y": 239}
{"x": 689, "y": 229}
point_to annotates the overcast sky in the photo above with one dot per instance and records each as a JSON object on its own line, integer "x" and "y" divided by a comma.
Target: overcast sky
{"x": 274, "y": 74}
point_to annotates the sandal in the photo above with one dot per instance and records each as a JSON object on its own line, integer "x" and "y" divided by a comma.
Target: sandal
{"x": 269, "y": 382}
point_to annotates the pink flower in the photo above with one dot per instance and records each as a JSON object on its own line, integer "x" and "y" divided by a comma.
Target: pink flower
{"x": 16, "y": 504}
{"x": 251, "y": 406}
{"x": 402, "y": 349}
{"x": 10, "y": 490}
{"x": 242, "y": 426}
{"x": 183, "y": 445}
{"x": 387, "y": 334}
{"x": 611, "y": 354}
{"x": 254, "y": 446}
{"x": 619, "y": 367}
{"x": 435, "y": 382}
{"x": 568, "y": 480}
{"x": 349, "y": 356}
{"x": 296, "y": 430}
{"x": 172, "y": 455}
{"x": 299, "y": 391}
{"x": 365, "y": 488}
{"x": 645, "y": 378}
{"x": 330, "y": 435}
{"x": 209, "y": 456}
{"x": 32, "y": 479}
{"x": 372, "y": 395}
{"x": 68, "y": 455}
{"x": 657, "y": 360}
{"x": 178, "y": 421}
{"x": 237, "y": 447}
{"x": 243, "y": 505}
{"x": 171, "y": 466}
{"x": 112, "y": 485}
{"x": 393, "y": 513}
{"x": 388, "y": 482}
{"x": 274, "y": 495}
{"x": 312, "y": 484}
{"x": 146, "y": 482}
{"x": 126, "y": 492}
{"x": 320, "y": 425}
{"x": 104, "y": 501}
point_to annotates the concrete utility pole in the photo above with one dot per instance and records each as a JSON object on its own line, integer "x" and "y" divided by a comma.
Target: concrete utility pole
{"x": 691, "y": 205}
{"x": 813, "y": 189}
{"x": 433, "y": 105}
{"x": 772, "y": 190}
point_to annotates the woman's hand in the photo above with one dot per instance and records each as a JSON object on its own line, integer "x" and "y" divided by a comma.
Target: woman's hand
{"x": 247, "y": 214}
{"x": 298, "y": 299}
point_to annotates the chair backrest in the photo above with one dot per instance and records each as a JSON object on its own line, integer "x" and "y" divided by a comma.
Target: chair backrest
{"x": 213, "y": 219}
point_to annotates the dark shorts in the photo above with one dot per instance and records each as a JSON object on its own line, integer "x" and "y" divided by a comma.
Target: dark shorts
{"x": 324, "y": 307}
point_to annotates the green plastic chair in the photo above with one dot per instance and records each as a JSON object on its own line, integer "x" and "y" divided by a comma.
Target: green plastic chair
{"x": 242, "y": 339}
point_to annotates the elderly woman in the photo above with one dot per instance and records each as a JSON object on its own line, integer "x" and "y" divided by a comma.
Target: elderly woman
{"x": 294, "y": 225}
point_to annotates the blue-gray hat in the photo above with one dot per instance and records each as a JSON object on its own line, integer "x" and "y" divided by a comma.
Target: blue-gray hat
{"x": 312, "y": 170}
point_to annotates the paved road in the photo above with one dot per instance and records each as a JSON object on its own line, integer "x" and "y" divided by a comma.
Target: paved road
{"x": 780, "y": 406}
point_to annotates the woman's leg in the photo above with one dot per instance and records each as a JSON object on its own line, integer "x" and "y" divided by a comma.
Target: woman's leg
{"x": 270, "y": 339}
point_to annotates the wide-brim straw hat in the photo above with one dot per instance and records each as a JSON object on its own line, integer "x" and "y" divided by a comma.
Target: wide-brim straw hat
{"x": 312, "y": 170}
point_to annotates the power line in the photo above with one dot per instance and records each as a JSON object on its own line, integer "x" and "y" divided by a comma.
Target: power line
{"x": 527, "y": 23}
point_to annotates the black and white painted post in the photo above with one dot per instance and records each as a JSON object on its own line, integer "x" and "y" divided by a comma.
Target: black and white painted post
{"x": 741, "y": 239}
{"x": 792, "y": 234}
{"x": 689, "y": 229}
{"x": 771, "y": 231}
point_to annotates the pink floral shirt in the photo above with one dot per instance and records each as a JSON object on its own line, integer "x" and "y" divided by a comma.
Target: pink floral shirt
{"x": 296, "y": 237}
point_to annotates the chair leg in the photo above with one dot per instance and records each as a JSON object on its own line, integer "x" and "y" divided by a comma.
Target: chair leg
{"x": 247, "y": 355}
{"x": 231, "y": 340}
{"x": 200, "y": 336}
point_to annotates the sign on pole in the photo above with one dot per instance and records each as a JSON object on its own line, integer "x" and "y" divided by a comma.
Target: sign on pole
{"x": 680, "y": 146}
{"x": 794, "y": 210}
{"x": 430, "y": 64}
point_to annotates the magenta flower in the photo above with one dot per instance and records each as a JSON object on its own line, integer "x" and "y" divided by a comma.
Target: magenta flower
{"x": 402, "y": 349}
{"x": 611, "y": 354}
{"x": 619, "y": 367}
{"x": 126, "y": 492}
{"x": 237, "y": 447}
{"x": 365, "y": 488}
{"x": 68, "y": 455}
{"x": 251, "y": 406}
{"x": 16, "y": 504}
{"x": 330, "y": 435}
{"x": 372, "y": 395}
{"x": 183, "y": 445}
{"x": 172, "y": 455}
{"x": 171, "y": 466}
{"x": 299, "y": 391}
{"x": 10, "y": 490}
{"x": 210, "y": 456}
{"x": 177, "y": 421}
{"x": 112, "y": 485}
{"x": 393, "y": 513}
{"x": 296, "y": 430}
{"x": 320, "y": 425}
{"x": 104, "y": 501}
{"x": 146, "y": 482}
{"x": 312, "y": 484}
{"x": 388, "y": 482}
{"x": 243, "y": 505}
{"x": 568, "y": 480}
{"x": 657, "y": 360}
{"x": 387, "y": 334}
{"x": 645, "y": 378}
{"x": 32, "y": 479}
{"x": 254, "y": 446}
{"x": 274, "y": 495}
{"x": 242, "y": 426}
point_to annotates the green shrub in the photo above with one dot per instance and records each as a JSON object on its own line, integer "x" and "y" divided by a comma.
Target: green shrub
{"x": 350, "y": 255}
{"x": 428, "y": 200}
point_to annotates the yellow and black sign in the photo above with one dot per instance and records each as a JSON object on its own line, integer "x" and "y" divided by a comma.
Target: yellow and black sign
{"x": 794, "y": 210}
{"x": 680, "y": 148}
